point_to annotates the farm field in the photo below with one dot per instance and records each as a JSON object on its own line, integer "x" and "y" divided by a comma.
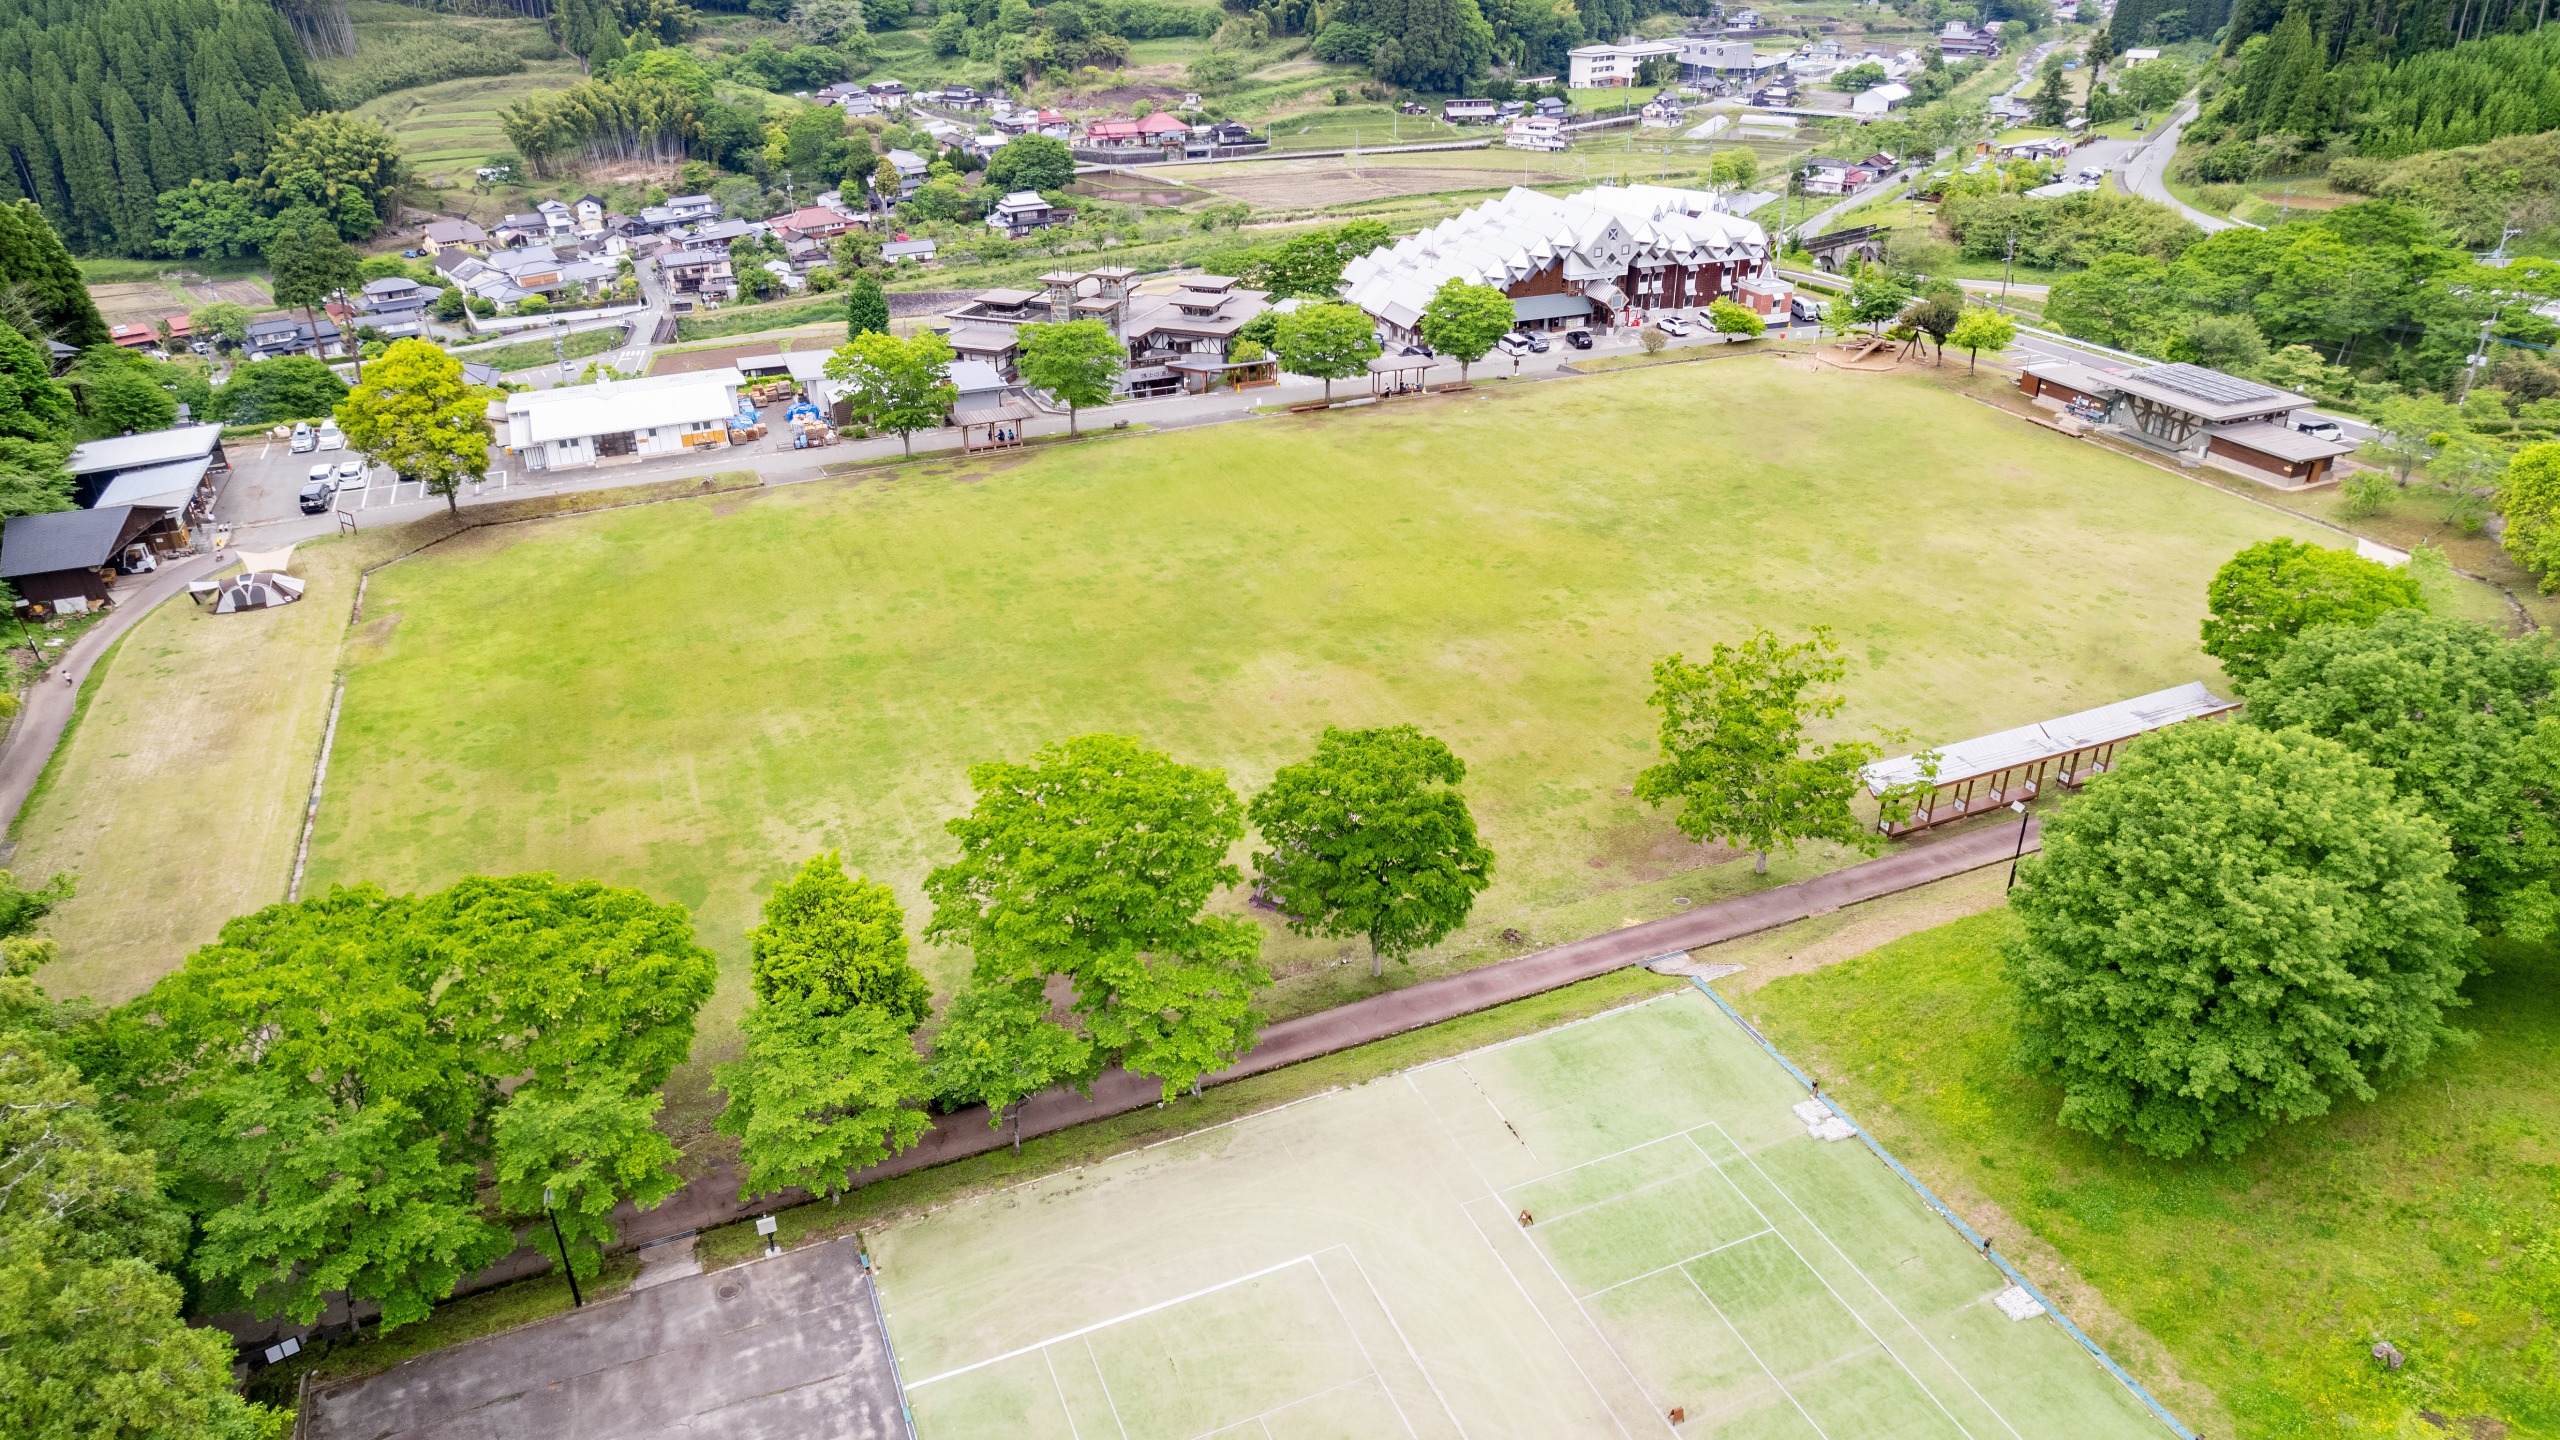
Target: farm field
{"x": 2427, "y": 1217}
{"x": 448, "y": 129}
{"x": 1597, "y": 1230}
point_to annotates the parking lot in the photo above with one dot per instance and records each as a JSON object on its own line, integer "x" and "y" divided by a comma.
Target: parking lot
{"x": 267, "y": 477}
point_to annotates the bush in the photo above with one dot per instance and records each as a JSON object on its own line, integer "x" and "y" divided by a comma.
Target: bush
{"x": 1341, "y": 43}
{"x": 423, "y": 57}
{"x": 1731, "y": 319}
{"x": 2230, "y": 932}
{"x": 2365, "y": 493}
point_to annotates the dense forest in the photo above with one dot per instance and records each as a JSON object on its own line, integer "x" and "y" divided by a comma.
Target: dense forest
{"x": 104, "y": 104}
{"x": 2285, "y": 98}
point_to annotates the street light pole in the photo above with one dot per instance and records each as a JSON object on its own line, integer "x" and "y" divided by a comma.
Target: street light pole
{"x": 576, "y": 1300}
{"x": 2021, "y": 807}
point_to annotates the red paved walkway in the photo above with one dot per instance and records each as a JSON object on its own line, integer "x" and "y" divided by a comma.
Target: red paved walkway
{"x": 712, "y": 1199}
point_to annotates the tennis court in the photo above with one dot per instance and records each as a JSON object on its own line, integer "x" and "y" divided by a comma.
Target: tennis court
{"x": 1575, "y": 1234}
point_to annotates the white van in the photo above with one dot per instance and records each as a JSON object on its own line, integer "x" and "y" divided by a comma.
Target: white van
{"x": 331, "y": 437}
{"x": 303, "y": 439}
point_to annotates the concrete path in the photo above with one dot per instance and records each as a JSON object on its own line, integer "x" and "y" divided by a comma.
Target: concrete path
{"x": 712, "y": 1199}
{"x": 50, "y": 702}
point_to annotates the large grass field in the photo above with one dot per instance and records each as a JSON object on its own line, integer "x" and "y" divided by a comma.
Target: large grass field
{"x": 690, "y": 698}
{"x": 2429, "y": 1218}
{"x": 1588, "y": 1232}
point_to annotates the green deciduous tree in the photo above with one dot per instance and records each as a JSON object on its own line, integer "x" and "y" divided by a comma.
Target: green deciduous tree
{"x": 2442, "y": 706}
{"x": 1369, "y": 836}
{"x": 2531, "y": 500}
{"x": 820, "y": 1095}
{"x": 1729, "y": 318}
{"x": 837, "y": 941}
{"x": 1463, "y": 321}
{"x": 289, "y": 387}
{"x": 1031, "y": 162}
{"x": 2230, "y": 932}
{"x": 1076, "y": 360}
{"x": 228, "y": 320}
{"x": 1326, "y": 342}
{"x": 998, "y": 1047}
{"x": 1178, "y": 1012}
{"x": 211, "y": 217}
{"x": 1734, "y": 752}
{"x": 33, "y": 405}
{"x": 577, "y": 1151}
{"x": 897, "y": 385}
{"x": 1979, "y": 330}
{"x": 310, "y": 261}
{"x": 40, "y": 284}
{"x": 122, "y": 392}
{"x": 416, "y": 414}
{"x": 866, "y": 306}
{"x": 2408, "y": 430}
{"x": 324, "y": 1079}
{"x": 343, "y": 165}
{"x": 2269, "y": 593}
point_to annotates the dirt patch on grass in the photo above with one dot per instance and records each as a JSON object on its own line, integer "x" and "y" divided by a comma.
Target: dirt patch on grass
{"x": 1820, "y": 940}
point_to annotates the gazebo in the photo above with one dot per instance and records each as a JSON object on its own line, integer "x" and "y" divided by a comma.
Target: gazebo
{"x": 1202, "y": 373}
{"x": 1981, "y": 774}
{"x": 993, "y": 427}
{"x": 1401, "y": 374}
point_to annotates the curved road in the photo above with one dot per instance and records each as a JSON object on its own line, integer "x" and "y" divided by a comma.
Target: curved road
{"x": 50, "y": 701}
{"x": 2143, "y": 170}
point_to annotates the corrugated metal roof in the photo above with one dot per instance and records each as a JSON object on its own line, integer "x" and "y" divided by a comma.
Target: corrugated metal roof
{"x": 1990, "y": 754}
{"x": 149, "y": 484}
{"x": 62, "y": 540}
{"x": 152, "y": 447}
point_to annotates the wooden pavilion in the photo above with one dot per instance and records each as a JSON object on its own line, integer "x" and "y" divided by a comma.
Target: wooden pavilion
{"x": 1973, "y": 776}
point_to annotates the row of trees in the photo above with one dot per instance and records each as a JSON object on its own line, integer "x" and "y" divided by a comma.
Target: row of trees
{"x": 2244, "y": 924}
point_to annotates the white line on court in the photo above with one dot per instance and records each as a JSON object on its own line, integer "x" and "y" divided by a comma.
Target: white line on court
{"x": 1497, "y": 1111}
{"x": 1596, "y": 1159}
{"x": 1961, "y": 1378}
{"x": 1081, "y": 1332}
{"x": 1105, "y": 1382}
{"x": 1410, "y": 1353}
{"x": 1674, "y": 1265}
{"x": 1354, "y": 1332}
{"x": 1836, "y": 1297}
{"x": 1567, "y": 1287}
{"x": 1740, "y": 1339}
{"x": 1465, "y": 1055}
{"x": 1672, "y": 1179}
{"x": 1512, "y": 1275}
{"x": 1263, "y": 1418}
{"x": 1069, "y": 1410}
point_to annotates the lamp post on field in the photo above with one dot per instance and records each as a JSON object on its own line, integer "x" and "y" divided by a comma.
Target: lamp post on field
{"x": 576, "y": 1300}
{"x": 2021, "y": 807}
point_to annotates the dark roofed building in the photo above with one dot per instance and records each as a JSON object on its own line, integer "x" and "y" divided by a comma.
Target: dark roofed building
{"x": 182, "y": 456}
{"x": 58, "y": 557}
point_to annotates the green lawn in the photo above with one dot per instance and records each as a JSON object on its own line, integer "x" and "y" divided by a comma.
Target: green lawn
{"x": 2430, "y": 1218}
{"x": 816, "y": 666}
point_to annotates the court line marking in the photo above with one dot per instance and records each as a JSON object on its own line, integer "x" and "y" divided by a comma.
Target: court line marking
{"x": 1497, "y": 1110}
{"x": 1410, "y": 1353}
{"x": 1362, "y": 1345}
{"x": 1508, "y": 1273}
{"x": 1860, "y": 1271}
{"x": 1502, "y": 1191}
{"x": 1676, "y": 1264}
{"x": 1105, "y": 1382}
{"x": 1672, "y": 1179}
{"x": 1063, "y": 1403}
{"x": 1749, "y": 1349}
{"x": 1083, "y": 1331}
{"x": 1610, "y": 1345}
{"x": 1836, "y": 1297}
{"x": 1263, "y": 1418}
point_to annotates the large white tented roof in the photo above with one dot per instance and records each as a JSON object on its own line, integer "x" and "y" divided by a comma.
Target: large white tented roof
{"x": 1596, "y": 234}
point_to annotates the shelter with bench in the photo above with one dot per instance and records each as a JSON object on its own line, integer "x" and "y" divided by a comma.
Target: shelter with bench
{"x": 66, "y": 559}
{"x": 1974, "y": 776}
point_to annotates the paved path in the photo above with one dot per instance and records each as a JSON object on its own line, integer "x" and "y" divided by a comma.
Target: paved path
{"x": 2143, "y": 170}
{"x": 50, "y": 702}
{"x": 712, "y": 1199}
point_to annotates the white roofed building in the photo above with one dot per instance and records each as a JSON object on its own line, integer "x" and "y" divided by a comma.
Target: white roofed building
{"x": 622, "y": 420}
{"x": 1607, "y": 256}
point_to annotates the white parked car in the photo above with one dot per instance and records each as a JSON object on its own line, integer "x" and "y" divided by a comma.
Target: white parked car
{"x": 350, "y": 475}
{"x": 1673, "y": 325}
{"x": 321, "y": 475}
{"x": 331, "y": 437}
{"x": 2321, "y": 429}
{"x": 303, "y": 439}
{"x": 1514, "y": 344}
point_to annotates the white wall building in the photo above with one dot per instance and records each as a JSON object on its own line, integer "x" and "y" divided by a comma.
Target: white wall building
{"x": 622, "y": 420}
{"x": 1872, "y": 103}
{"x": 1602, "y": 67}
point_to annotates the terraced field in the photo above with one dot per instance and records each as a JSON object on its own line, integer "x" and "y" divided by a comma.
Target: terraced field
{"x": 448, "y": 130}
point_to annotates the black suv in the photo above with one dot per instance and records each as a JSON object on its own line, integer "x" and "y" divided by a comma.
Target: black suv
{"x": 316, "y": 496}
{"x": 1578, "y": 339}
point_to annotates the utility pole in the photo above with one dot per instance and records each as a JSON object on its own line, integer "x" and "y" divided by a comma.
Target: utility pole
{"x": 2479, "y": 354}
{"x": 2009, "y": 266}
{"x": 576, "y": 1300}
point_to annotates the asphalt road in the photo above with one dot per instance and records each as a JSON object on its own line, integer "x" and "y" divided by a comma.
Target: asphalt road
{"x": 2142, "y": 171}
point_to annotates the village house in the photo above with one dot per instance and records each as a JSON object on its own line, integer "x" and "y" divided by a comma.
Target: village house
{"x": 620, "y": 421}
{"x": 1873, "y": 102}
{"x": 1826, "y": 176}
{"x": 1605, "y": 256}
{"x": 443, "y": 235}
{"x": 1959, "y": 41}
{"x": 699, "y": 276}
{"x": 1535, "y": 132}
{"x": 909, "y": 252}
{"x": 395, "y": 307}
{"x": 911, "y": 168}
{"x": 1024, "y": 211}
{"x": 278, "y": 335}
{"x": 1614, "y": 66}
{"x": 1470, "y": 111}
